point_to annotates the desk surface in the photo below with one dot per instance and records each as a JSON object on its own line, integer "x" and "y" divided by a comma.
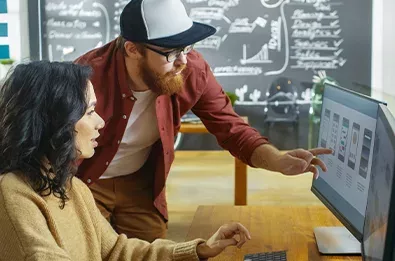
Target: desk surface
{"x": 198, "y": 127}
{"x": 272, "y": 228}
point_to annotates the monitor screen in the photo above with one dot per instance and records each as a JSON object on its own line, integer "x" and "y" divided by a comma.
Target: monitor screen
{"x": 376, "y": 243}
{"x": 348, "y": 124}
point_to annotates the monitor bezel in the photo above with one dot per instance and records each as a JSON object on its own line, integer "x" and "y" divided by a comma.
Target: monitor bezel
{"x": 389, "y": 124}
{"x": 353, "y": 230}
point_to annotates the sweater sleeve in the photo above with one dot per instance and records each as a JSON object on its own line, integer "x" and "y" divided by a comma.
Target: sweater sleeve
{"x": 116, "y": 247}
{"x": 24, "y": 229}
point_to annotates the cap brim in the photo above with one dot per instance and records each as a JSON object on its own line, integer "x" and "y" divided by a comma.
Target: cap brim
{"x": 196, "y": 33}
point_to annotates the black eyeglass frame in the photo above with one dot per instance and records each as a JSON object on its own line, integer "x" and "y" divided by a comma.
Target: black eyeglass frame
{"x": 184, "y": 50}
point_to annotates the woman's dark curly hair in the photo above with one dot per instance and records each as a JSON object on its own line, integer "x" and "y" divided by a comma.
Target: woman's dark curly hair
{"x": 40, "y": 104}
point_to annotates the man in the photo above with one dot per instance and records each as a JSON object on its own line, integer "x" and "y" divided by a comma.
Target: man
{"x": 144, "y": 82}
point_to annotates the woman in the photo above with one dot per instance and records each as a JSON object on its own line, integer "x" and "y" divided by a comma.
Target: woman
{"x": 48, "y": 122}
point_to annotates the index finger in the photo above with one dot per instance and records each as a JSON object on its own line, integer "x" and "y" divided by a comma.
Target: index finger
{"x": 319, "y": 151}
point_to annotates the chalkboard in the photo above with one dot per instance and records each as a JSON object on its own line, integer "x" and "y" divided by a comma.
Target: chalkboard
{"x": 70, "y": 28}
{"x": 265, "y": 51}
{"x": 259, "y": 41}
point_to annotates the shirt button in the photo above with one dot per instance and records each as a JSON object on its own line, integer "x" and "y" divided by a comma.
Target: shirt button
{"x": 132, "y": 98}
{"x": 107, "y": 163}
{"x": 89, "y": 181}
{"x": 123, "y": 95}
{"x": 124, "y": 117}
{"x": 119, "y": 142}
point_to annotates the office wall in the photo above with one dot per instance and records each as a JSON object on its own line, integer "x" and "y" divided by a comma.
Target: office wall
{"x": 389, "y": 46}
{"x": 383, "y": 62}
{"x": 383, "y": 40}
{"x": 17, "y": 38}
{"x": 4, "y": 32}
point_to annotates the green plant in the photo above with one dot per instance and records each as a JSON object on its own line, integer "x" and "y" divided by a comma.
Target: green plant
{"x": 318, "y": 90}
{"x": 6, "y": 61}
{"x": 233, "y": 97}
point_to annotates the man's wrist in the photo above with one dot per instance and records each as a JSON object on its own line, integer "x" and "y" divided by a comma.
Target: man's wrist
{"x": 265, "y": 156}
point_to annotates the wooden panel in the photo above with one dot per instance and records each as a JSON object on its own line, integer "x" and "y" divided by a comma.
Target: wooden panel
{"x": 240, "y": 183}
{"x": 272, "y": 228}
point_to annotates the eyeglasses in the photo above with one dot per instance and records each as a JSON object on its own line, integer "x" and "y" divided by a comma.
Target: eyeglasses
{"x": 171, "y": 56}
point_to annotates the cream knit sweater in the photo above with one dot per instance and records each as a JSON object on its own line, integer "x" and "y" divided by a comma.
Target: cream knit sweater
{"x": 35, "y": 228}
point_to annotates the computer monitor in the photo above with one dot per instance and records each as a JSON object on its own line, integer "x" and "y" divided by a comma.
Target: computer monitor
{"x": 348, "y": 124}
{"x": 378, "y": 232}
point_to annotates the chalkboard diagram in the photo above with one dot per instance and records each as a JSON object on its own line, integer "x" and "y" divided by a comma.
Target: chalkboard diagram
{"x": 71, "y": 28}
{"x": 259, "y": 41}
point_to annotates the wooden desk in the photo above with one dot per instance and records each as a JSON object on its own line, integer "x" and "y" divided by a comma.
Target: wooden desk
{"x": 272, "y": 228}
{"x": 240, "y": 167}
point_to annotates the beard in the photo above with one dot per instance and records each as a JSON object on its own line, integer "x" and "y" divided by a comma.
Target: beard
{"x": 168, "y": 84}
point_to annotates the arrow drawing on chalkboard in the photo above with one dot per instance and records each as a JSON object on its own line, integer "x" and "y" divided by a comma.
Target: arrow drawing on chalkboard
{"x": 265, "y": 4}
{"x": 103, "y": 8}
{"x": 286, "y": 41}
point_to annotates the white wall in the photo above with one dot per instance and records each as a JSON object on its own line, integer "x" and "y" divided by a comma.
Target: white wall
{"x": 388, "y": 46}
{"x": 383, "y": 42}
{"x": 18, "y": 37}
{"x": 377, "y": 45}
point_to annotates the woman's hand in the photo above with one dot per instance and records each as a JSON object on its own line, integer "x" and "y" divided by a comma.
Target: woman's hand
{"x": 224, "y": 237}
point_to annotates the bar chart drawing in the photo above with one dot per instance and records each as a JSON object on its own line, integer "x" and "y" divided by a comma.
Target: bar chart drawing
{"x": 261, "y": 57}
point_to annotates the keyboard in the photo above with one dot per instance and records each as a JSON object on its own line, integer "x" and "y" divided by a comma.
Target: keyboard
{"x": 267, "y": 256}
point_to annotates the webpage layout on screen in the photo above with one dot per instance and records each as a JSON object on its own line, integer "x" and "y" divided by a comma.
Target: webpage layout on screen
{"x": 350, "y": 134}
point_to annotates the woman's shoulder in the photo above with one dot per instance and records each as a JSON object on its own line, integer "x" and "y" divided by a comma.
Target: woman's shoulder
{"x": 11, "y": 181}
{"x": 79, "y": 187}
{"x": 13, "y": 188}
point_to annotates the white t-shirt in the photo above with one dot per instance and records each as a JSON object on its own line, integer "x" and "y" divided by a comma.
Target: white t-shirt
{"x": 140, "y": 134}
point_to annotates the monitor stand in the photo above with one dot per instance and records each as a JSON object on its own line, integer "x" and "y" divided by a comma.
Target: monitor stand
{"x": 336, "y": 241}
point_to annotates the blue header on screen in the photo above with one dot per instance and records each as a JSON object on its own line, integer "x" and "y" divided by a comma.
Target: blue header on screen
{"x": 352, "y": 100}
